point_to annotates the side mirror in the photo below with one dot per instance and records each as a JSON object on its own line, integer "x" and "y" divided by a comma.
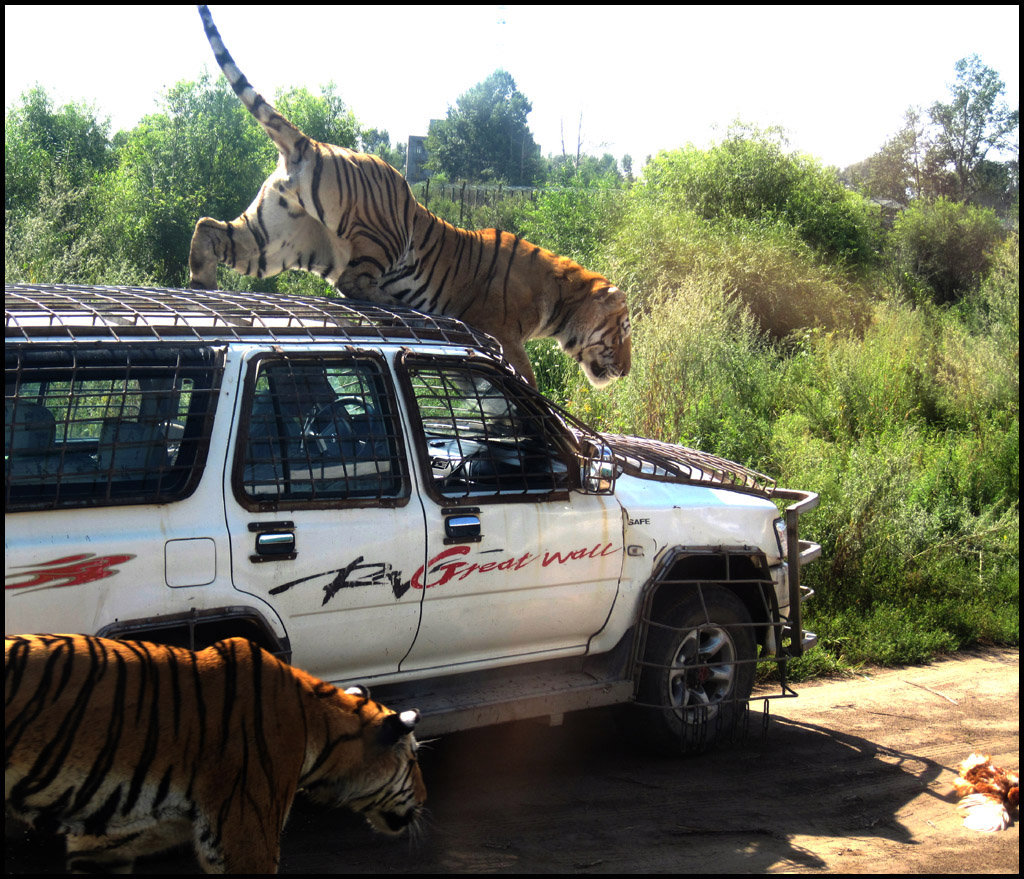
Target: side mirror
{"x": 598, "y": 471}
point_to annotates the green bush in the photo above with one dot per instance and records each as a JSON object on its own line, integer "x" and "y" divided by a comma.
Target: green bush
{"x": 574, "y": 220}
{"x": 914, "y": 449}
{"x": 766, "y": 267}
{"x": 700, "y": 375}
{"x": 909, "y": 431}
{"x": 749, "y": 176}
{"x": 999, "y": 296}
{"x": 942, "y": 249}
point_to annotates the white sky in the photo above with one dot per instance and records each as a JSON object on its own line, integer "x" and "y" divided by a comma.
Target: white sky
{"x": 645, "y": 78}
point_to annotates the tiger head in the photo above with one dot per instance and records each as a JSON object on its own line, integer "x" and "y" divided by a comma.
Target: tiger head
{"x": 373, "y": 771}
{"x": 599, "y": 336}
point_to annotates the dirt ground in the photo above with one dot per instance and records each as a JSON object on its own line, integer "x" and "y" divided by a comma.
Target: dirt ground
{"x": 853, "y": 776}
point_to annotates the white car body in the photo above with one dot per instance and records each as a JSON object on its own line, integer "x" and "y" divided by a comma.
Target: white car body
{"x": 425, "y": 554}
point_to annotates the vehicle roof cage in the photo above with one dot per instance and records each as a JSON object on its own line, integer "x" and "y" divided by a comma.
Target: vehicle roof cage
{"x": 35, "y": 311}
{"x": 669, "y": 463}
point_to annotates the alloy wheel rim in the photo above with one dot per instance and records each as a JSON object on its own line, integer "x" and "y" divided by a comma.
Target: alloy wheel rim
{"x": 703, "y": 673}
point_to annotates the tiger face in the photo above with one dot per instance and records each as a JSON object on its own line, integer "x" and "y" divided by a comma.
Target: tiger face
{"x": 388, "y": 789}
{"x": 603, "y": 343}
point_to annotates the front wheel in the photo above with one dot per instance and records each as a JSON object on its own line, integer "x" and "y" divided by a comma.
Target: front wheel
{"x": 697, "y": 674}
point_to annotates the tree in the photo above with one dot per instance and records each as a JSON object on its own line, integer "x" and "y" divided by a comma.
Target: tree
{"x": 55, "y": 161}
{"x": 948, "y": 156}
{"x": 42, "y": 142}
{"x": 751, "y": 176}
{"x": 202, "y": 154}
{"x": 485, "y": 136}
{"x": 584, "y": 170}
{"x": 323, "y": 117}
{"x": 377, "y": 141}
{"x": 975, "y": 122}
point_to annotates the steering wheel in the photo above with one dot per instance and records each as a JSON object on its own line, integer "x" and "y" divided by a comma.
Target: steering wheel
{"x": 327, "y": 425}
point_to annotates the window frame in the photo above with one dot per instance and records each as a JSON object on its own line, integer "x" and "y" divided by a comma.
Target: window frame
{"x": 559, "y": 438}
{"x": 49, "y": 364}
{"x": 381, "y": 375}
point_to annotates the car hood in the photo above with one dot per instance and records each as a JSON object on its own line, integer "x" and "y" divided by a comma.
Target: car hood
{"x": 667, "y": 491}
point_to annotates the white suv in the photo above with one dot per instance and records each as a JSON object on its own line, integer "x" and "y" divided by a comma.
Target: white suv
{"x": 374, "y": 495}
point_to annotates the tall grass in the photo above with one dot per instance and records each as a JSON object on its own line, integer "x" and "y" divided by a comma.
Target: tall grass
{"x": 765, "y": 265}
{"x": 903, "y": 417}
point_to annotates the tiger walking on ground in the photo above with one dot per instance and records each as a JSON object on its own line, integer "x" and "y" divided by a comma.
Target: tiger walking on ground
{"x": 352, "y": 219}
{"x": 131, "y": 748}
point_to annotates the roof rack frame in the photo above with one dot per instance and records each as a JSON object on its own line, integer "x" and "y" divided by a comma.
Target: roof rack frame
{"x": 33, "y": 312}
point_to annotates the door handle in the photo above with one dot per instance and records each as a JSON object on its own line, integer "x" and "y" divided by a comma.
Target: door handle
{"x": 275, "y": 541}
{"x": 461, "y": 525}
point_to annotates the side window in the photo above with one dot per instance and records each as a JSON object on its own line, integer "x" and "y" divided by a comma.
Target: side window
{"x": 320, "y": 429}
{"x": 106, "y": 425}
{"x": 481, "y": 438}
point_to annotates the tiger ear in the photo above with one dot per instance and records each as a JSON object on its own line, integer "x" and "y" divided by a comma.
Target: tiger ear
{"x": 394, "y": 726}
{"x": 358, "y": 690}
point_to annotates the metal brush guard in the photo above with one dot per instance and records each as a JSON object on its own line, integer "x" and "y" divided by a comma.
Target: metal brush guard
{"x": 730, "y": 719}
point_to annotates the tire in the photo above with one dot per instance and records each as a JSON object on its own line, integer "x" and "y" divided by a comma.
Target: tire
{"x": 697, "y": 674}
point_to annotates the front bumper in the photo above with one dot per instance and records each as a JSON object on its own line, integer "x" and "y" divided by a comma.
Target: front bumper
{"x": 799, "y": 553}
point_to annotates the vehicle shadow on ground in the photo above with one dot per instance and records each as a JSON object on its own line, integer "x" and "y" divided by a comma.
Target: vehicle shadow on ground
{"x": 580, "y": 798}
{"x": 524, "y": 797}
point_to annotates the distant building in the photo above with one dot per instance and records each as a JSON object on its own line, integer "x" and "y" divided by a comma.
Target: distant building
{"x": 416, "y": 159}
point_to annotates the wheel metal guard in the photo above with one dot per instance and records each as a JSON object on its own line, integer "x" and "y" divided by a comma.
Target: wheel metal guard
{"x": 704, "y": 724}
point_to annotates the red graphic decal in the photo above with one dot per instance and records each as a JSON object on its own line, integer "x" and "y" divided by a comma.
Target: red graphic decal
{"x": 447, "y": 571}
{"x": 72, "y": 570}
{"x": 577, "y": 554}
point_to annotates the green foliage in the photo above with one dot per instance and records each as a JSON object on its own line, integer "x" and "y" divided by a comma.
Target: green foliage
{"x": 999, "y": 295}
{"x": 908, "y": 428}
{"x": 55, "y": 162}
{"x": 941, "y": 249}
{"x": 750, "y": 177}
{"x": 485, "y": 137}
{"x": 323, "y": 117}
{"x": 59, "y": 241}
{"x": 576, "y": 218}
{"x": 553, "y": 370}
{"x": 42, "y": 143}
{"x": 765, "y": 266}
{"x": 584, "y": 170}
{"x": 914, "y": 449}
{"x": 507, "y": 214}
{"x": 974, "y": 122}
{"x": 699, "y": 375}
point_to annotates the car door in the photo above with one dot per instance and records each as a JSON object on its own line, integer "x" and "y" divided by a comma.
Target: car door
{"x": 521, "y": 563}
{"x": 321, "y": 517}
{"x": 106, "y": 507}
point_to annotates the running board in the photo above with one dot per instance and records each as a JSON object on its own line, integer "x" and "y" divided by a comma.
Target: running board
{"x": 481, "y": 699}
